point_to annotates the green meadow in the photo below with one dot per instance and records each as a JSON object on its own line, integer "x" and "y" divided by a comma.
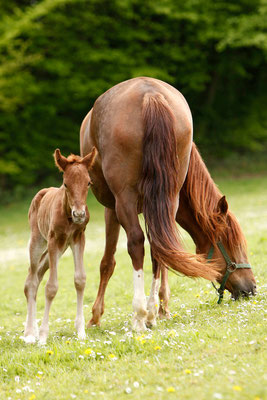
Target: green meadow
{"x": 205, "y": 351}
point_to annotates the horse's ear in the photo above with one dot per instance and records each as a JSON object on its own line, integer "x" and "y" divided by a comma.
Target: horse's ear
{"x": 88, "y": 160}
{"x": 222, "y": 206}
{"x": 60, "y": 161}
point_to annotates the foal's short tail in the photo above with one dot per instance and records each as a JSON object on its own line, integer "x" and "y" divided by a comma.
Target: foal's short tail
{"x": 159, "y": 189}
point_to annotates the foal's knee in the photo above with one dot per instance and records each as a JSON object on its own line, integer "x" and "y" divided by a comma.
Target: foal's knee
{"x": 30, "y": 287}
{"x": 51, "y": 290}
{"x": 79, "y": 281}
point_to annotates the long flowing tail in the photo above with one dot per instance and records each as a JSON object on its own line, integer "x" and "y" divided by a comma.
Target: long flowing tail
{"x": 159, "y": 189}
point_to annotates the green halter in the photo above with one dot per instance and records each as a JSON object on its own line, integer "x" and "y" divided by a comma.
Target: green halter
{"x": 230, "y": 267}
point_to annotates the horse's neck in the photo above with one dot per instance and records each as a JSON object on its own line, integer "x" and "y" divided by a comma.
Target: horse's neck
{"x": 186, "y": 219}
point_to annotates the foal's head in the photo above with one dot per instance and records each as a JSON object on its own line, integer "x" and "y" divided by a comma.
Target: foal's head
{"x": 76, "y": 181}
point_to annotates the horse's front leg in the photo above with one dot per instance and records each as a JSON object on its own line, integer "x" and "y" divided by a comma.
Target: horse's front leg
{"x": 153, "y": 301}
{"x": 126, "y": 210}
{"x": 51, "y": 286}
{"x": 107, "y": 264}
{"x": 77, "y": 247}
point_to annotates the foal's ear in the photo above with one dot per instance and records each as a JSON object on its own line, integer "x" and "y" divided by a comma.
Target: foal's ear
{"x": 88, "y": 160}
{"x": 60, "y": 161}
{"x": 222, "y": 206}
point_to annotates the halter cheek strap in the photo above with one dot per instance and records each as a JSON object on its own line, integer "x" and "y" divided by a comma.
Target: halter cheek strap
{"x": 230, "y": 268}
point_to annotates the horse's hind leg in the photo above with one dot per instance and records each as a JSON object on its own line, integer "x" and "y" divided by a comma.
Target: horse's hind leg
{"x": 77, "y": 248}
{"x": 153, "y": 301}
{"x": 107, "y": 264}
{"x": 164, "y": 294}
{"x": 36, "y": 247}
{"x": 126, "y": 210}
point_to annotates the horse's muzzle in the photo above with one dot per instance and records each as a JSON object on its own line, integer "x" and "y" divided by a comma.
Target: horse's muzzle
{"x": 78, "y": 217}
{"x": 246, "y": 289}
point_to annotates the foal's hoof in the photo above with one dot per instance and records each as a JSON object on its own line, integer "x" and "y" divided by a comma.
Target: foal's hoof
{"x": 30, "y": 339}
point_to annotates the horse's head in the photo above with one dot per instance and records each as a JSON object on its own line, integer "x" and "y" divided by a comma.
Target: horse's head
{"x": 230, "y": 252}
{"x": 76, "y": 182}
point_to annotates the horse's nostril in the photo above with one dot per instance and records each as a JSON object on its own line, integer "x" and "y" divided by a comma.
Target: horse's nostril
{"x": 78, "y": 214}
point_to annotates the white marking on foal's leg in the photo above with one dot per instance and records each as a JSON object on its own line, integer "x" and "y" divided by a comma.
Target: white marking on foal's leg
{"x": 139, "y": 301}
{"x": 79, "y": 280}
{"x": 153, "y": 304}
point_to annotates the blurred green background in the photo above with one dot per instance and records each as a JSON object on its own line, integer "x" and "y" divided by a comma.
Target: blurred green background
{"x": 58, "y": 56}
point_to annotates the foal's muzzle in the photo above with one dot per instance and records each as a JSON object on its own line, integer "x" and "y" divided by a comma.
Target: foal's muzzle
{"x": 78, "y": 217}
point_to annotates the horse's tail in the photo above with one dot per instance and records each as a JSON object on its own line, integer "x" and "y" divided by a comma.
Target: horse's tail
{"x": 159, "y": 190}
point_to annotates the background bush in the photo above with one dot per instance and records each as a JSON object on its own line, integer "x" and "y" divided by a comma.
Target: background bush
{"x": 58, "y": 56}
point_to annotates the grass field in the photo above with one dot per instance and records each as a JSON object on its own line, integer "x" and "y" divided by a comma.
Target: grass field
{"x": 205, "y": 351}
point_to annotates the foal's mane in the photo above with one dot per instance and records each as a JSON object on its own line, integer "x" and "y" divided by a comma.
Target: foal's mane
{"x": 72, "y": 158}
{"x": 203, "y": 196}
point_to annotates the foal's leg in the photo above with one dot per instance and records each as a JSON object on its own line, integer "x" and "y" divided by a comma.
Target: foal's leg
{"x": 36, "y": 247}
{"x": 51, "y": 287}
{"x": 79, "y": 281}
{"x": 107, "y": 264}
{"x": 126, "y": 210}
{"x": 164, "y": 294}
{"x": 153, "y": 301}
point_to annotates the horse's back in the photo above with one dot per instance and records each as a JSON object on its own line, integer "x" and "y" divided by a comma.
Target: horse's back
{"x": 41, "y": 208}
{"x": 117, "y": 114}
{"x": 115, "y": 126}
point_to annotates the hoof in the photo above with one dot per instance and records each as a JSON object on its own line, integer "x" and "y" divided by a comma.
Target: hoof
{"x": 139, "y": 325}
{"x": 82, "y": 335}
{"x": 30, "y": 339}
{"x": 92, "y": 323}
{"x": 42, "y": 339}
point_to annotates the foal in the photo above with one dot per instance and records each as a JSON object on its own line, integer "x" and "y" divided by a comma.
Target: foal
{"x": 58, "y": 218}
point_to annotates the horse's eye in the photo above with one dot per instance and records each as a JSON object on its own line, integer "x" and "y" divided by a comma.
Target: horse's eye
{"x": 89, "y": 183}
{"x": 65, "y": 185}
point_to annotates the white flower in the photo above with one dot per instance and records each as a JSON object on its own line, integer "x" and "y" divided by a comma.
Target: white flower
{"x": 17, "y": 379}
{"x": 128, "y": 390}
{"x": 217, "y": 395}
{"x": 136, "y": 384}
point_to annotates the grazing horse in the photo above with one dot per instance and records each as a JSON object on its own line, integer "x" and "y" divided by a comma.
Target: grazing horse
{"x": 58, "y": 218}
{"x": 204, "y": 214}
{"x": 142, "y": 129}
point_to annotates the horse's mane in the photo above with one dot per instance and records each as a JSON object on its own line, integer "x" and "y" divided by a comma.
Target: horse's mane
{"x": 72, "y": 158}
{"x": 203, "y": 196}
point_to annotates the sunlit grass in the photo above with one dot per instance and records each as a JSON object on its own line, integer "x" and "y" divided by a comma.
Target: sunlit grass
{"x": 205, "y": 351}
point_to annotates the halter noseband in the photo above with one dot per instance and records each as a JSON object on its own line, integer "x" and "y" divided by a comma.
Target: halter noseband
{"x": 230, "y": 267}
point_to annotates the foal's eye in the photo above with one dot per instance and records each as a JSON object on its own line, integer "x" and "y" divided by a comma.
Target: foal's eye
{"x": 89, "y": 183}
{"x": 65, "y": 185}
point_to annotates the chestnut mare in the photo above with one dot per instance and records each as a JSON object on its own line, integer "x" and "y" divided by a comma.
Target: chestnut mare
{"x": 58, "y": 218}
{"x": 142, "y": 129}
{"x": 204, "y": 214}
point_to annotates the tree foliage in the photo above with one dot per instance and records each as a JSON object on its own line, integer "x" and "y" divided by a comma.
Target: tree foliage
{"x": 58, "y": 56}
